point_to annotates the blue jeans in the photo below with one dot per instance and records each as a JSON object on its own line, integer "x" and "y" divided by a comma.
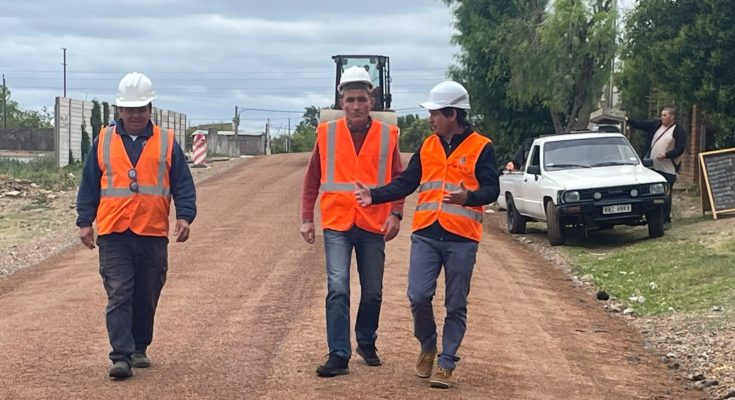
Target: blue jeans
{"x": 370, "y": 253}
{"x": 133, "y": 270}
{"x": 427, "y": 258}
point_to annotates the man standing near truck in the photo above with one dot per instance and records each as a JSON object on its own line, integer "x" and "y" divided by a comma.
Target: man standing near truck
{"x": 665, "y": 143}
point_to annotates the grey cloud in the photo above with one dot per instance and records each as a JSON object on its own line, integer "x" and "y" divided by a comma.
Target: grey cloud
{"x": 207, "y": 57}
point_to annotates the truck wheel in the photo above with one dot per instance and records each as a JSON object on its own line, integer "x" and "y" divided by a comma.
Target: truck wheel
{"x": 554, "y": 230}
{"x": 655, "y": 219}
{"x": 516, "y": 222}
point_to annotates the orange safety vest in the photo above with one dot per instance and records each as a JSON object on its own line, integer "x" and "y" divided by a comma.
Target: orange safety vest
{"x": 341, "y": 168}
{"x": 144, "y": 212}
{"x": 440, "y": 174}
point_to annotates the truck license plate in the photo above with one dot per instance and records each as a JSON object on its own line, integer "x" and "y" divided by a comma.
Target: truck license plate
{"x": 617, "y": 209}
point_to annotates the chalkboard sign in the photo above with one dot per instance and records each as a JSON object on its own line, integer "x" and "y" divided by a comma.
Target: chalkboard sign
{"x": 718, "y": 169}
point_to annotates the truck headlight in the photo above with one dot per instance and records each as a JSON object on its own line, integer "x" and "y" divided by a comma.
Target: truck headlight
{"x": 657, "y": 188}
{"x": 571, "y": 197}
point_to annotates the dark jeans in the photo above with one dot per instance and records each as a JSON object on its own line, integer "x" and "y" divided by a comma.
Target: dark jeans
{"x": 670, "y": 179}
{"x": 427, "y": 258}
{"x": 133, "y": 270}
{"x": 370, "y": 253}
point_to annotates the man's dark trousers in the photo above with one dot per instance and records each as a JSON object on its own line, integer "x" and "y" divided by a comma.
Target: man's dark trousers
{"x": 133, "y": 270}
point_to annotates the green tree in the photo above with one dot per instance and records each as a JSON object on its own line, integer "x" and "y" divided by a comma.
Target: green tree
{"x": 304, "y": 135}
{"x": 563, "y": 58}
{"x": 105, "y": 115}
{"x": 413, "y": 131}
{"x": 19, "y": 118}
{"x": 86, "y": 145}
{"x": 484, "y": 69}
{"x": 686, "y": 48}
{"x": 279, "y": 144}
{"x": 96, "y": 119}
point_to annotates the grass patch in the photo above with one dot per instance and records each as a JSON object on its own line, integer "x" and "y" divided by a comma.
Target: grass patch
{"x": 44, "y": 173}
{"x": 691, "y": 268}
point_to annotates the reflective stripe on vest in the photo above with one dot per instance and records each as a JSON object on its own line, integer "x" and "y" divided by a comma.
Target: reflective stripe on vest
{"x": 442, "y": 174}
{"x": 330, "y": 185}
{"x": 426, "y": 186}
{"x": 159, "y": 189}
{"x": 145, "y": 211}
{"x": 451, "y": 209}
{"x": 342, "y": 166}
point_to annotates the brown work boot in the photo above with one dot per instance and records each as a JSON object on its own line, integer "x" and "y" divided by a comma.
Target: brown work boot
{"x": 441, "y": 379}
{"x": 425, "y": 364}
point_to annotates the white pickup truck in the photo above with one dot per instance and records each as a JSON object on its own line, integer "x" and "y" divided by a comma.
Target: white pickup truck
{"x": 583, "y": 180}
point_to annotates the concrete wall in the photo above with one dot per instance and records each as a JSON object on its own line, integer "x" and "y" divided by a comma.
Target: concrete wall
{"x": 222, "y": 144}
{"x": 248, "y": 143}
{"x": 70, "y": 114}
{"x": 252, "y": 145}
{"x": 27, "y": 139}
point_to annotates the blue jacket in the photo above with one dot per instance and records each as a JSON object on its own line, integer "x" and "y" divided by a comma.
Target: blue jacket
{"x": 182, "y": 184}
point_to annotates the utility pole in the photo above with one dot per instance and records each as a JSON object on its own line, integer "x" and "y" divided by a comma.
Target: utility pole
{"x": 64, "y": 64}
{"x": 5, "y": 107}
{"x": 615, "y": 46}
{"x": 236, "y": 125}
{"x": 288, "y": 142}
{"x": 267, "y": 137}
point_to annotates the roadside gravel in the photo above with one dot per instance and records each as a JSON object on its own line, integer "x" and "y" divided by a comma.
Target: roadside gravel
{"x": 37, "y": 224}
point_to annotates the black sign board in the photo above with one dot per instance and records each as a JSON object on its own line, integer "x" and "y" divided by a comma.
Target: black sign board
{"x": 718, "y": 170}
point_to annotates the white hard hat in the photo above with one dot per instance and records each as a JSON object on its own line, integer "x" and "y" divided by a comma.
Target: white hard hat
{"x": 134, "y": 90}
{"x": 447, "y": 94}
{"x": 354, "y": 74}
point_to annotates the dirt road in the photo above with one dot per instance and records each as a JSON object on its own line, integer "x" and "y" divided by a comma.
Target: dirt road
{"x": 242, "y": 317}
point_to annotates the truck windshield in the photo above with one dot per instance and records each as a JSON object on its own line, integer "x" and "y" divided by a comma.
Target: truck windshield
{"x": 590, "y": 152}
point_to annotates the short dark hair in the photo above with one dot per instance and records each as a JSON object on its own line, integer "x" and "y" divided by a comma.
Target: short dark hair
{"x": 462, "y": 119}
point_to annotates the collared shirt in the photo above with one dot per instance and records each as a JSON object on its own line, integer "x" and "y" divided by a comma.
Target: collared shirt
{"x": 182, "y": 184}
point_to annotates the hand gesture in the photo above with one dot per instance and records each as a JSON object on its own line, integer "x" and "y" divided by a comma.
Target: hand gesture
{"x": 458, "y": 197}
{"x": 362, "y": 195}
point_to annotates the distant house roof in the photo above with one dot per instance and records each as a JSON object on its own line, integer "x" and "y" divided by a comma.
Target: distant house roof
{"x": 239, "y": 133}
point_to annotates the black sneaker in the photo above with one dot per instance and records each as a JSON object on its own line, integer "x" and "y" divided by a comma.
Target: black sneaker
{"x": 121, "y": 370}
{"x": 369, "y": 353}
{"x": 334, "y": 366}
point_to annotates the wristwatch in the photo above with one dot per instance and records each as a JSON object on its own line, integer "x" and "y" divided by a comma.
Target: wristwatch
{"x": 397, "y": 215}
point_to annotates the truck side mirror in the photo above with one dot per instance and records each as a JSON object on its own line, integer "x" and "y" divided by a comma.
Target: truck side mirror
{"x": 647, "y": 162}
{"x": 534, "y": 169}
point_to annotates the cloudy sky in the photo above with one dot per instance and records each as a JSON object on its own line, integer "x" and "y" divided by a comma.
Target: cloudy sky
{"x": 206, "y": 57}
